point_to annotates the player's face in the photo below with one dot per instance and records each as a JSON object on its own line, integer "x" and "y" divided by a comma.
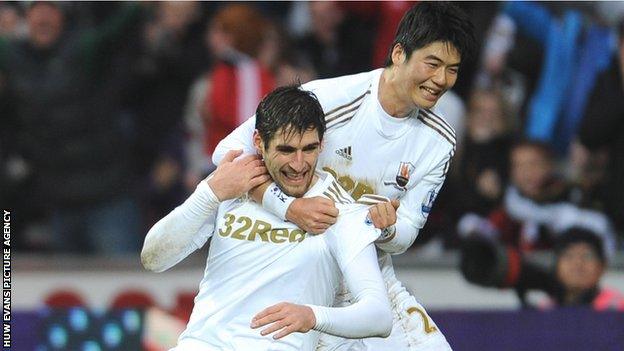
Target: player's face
{"x": 291, "y": 159}
{"x": 578, "y": 267}
{"x": 429, "y": 73}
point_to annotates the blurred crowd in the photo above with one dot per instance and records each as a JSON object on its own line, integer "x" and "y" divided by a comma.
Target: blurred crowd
{"x": 110, "y": 112}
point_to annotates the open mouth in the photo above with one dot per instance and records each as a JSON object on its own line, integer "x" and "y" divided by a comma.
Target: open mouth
{"x": 294, "y": 178}
{"x": 431, "y": 94}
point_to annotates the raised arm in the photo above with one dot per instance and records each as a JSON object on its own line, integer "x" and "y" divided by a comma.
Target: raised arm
{"x": 240, "y": 139}
{"x": 187, "y": 227}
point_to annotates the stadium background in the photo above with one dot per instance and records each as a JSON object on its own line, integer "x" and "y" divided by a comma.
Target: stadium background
{"x": 152, "y": 83}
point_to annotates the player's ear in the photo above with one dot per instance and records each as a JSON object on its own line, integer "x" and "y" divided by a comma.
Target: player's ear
{"x": 258, "y": 142}
{"x": 398, "y": 54}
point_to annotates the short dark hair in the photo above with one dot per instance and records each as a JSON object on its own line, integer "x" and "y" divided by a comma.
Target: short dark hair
{"x": 291, "y": 108}
{"x": 428, "y": 22}
{"x": 577, "y": 235}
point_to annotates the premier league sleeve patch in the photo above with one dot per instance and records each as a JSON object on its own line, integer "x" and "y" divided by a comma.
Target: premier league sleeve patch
{"x": 428, "y": 201}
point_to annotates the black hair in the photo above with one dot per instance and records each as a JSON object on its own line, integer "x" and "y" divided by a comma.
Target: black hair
{"x": 428, "y": 22}
{"x": 577, "y": 235}
{"x": 291, "y": 108}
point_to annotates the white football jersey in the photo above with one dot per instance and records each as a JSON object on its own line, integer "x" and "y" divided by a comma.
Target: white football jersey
{"x": 371, "y": 152}
{"x": 257, "y": 260}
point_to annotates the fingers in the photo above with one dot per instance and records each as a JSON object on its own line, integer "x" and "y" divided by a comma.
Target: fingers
{"x": 265, "y": 312}
{"x": 274, "y": 327}
{"x": 259, "y": 170}
{"x": 231, "y": 155}
{"x": 375, "y": 217}
{"x": 288, "y": 330}
{"x": 327, "y": 207}
{"x": 259, "y": 180}
{"x": 383, "y": 215}
{"x": 395, "y": 203}
{"x": 249, "y": 159}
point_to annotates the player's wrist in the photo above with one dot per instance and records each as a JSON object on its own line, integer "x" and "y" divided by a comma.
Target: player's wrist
{"x": 276, "y": 201}
{"x": 319, "y": 315}
{"x": 387, "y": 234}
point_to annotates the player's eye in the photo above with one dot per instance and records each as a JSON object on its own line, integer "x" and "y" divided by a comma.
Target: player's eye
{"x": 285, "y": 150}
{"x": 310, "y": 149}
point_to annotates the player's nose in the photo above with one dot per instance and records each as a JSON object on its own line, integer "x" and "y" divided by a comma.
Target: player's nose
{"x": 297, "y": 163}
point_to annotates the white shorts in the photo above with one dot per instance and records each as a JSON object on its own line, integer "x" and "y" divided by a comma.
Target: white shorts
{"x": 412, "y": 328}
{"x": 413, "y": 331}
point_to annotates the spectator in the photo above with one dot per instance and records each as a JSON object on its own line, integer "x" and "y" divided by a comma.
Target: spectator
{"x": 484, "y": 154}
{"x": 576, "y": 50}
{"x": 573, "y": 281}
{"x": 602, "y": 128}
{"x": 172, "y": 55}
{"x": 536, "y": 206}
{"x": 236, "y": 83}
{"x": 12, "y": 23}
{"x": 64, "y": 102}
{"x": 338, "y": 43}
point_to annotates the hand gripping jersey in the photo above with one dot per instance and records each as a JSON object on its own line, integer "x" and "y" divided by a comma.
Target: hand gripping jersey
{"x": 257, "y": 260}
{"x": 371, "y": 152}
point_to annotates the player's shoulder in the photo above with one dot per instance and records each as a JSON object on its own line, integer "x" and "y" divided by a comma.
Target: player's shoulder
{"x": 437, "y": 127}
{"x": 339, "y": 92}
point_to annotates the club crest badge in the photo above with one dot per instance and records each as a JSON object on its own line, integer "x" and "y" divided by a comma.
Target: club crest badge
{"x": 402, "y": 176}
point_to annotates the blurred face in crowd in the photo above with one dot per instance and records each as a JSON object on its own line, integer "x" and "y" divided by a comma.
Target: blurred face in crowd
{"x": 579, "y": 268}
{"x": 531, "y": 169}
{"x": 485, "y": 118}
{"x": 176, "y": 15}
{"x": 291, "y": 159}
{"x": 325, "y": 17}
{"x": 422, "y": 79}
{"x": 45, "y": 24}
{"x": 9, "y": 20}
{"x": 219, "y": 41}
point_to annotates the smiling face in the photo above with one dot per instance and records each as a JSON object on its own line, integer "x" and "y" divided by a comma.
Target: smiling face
{"x": 290, "y": 158}
{"x": 429, "y": 72}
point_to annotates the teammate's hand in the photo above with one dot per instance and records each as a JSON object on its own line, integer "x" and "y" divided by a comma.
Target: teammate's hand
{"x": 234, "y": 178}
{"x": 383, "y": 214}
{"x": 285, "y": 317}
{"x": 313, "y": 214}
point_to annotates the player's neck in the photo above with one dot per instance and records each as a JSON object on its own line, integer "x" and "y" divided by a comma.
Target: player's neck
{"x": 390, "y": 96}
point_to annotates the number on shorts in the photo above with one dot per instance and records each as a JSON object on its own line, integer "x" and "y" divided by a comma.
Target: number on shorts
{"x": 428, "y": 327}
